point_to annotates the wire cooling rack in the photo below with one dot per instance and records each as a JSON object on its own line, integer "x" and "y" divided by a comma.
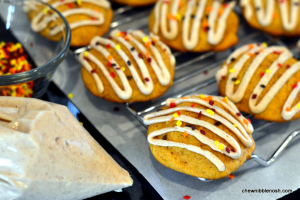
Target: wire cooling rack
{"x": 194, "y": 72}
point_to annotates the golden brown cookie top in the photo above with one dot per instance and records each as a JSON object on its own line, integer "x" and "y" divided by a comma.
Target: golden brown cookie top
{"x": 195, "y": 17}
{"x": 149, "y": 62}
{"x": 269, "y": 12}
{"x": 269, "y": 76}
{"x": 212, "y": 120}
{"x": 87, "y": 8}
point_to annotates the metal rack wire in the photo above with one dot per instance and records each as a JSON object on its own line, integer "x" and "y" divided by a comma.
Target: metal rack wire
{"x": 192, "y": 69}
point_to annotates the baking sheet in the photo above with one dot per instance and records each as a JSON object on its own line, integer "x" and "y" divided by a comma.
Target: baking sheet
{"x": 129, "y": 136}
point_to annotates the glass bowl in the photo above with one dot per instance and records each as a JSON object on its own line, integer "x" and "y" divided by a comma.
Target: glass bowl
{"x": 17, "y": 39}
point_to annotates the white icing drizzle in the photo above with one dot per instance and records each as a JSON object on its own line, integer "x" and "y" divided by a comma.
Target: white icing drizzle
{"x": 42, "y": 20}
{"x": 156, "y": 63}
{"x": 220, "y": 116}
{"x": 289, "y": 18}
{"x": 237, "y": 96}
{"x": 191, "y": 37}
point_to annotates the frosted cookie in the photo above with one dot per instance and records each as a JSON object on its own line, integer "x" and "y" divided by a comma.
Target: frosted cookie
{"x": 262, "y": 81}
{"x": 127, "y": 67}
{"x": 200, "y": 135}
{"x": 49, "y": 155}
{"x": 276, "y": 17}
{"x": 136, "y": 2}
{"x": 87, "y": 18}
{"x": 195, "y": 25}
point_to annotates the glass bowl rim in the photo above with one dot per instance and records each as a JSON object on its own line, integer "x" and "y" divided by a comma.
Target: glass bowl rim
{"x": 43, "y": 69}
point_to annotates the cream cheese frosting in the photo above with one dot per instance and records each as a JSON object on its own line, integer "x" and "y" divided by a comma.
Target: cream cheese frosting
{"x": 47, "y": 154}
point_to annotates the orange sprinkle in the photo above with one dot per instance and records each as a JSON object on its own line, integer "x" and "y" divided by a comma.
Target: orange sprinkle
{"x": 185, "y": 134}
{"x": 126, "y": 38}
{"x": 288, "y": 109}
{"x": 148, "y": 54}
{"x": 274, "y": 15}
{"x": 250, "y": 54}
{"x": 209, "y": 98}
{"x": 172, "y": 17}
{"x": 231, "y": 176}
{"x": 251, "y": 46}
{"x": 109, "y": 57}
{"x": 245, "y": 121}
{"x": 220, "y": 12}
{"x": 298, "y": 80}
{"x": 148, "y": 44}
{"x": 261, "y": 50}
{"x": 172, "y": 119}
{"x": 184, "y": 98}
{"x": 205, "y": 24}
{"x": 209, "y": 9}
{"x": 180, "y": 4}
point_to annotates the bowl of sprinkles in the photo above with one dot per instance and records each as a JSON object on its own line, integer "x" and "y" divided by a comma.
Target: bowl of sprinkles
{"x": 28, "y": 60}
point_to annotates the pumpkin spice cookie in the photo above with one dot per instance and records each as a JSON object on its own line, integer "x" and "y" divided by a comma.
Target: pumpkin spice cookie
{"x": 136, "y": 2}
{"x": 276, "y": 17}
{"x": 87, "y": 19}
{"x": 262, "y": 81}
{"x": 200, "y": 135}
{"x": 127, "y": 67}
{"x": 195, "y": 25}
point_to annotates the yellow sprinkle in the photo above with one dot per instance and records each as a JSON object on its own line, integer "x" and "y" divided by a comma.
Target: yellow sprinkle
{"x": 268, "y": 71}
{"x": 178, "y": 17}
{"x": 81, "y": 123}
{"x": 145, "y": 39}
{"x": 85, "y": 54}
{"x": 226, "y": 99}
{"x": 209, "y": 111}
{"x": 298, "y": 106}
{"x": 79, "y": 2}
{"x": 123, "y": 69}
{"x": 118, "y": 47}
{"x": 202, "y": 96}
{"x": 221, "y": 147}
{"x": 216, "y": 143}
{"x": 18, "y": 45}
{"x": 231, "y": 70}
{"x": 13, "y": 93}
{"x": 13, "y": 87}
{"x": 237, "y": 82}
{"x": 70, "y": 95}
{"x": 45, "y": 11}
{"x": 265, "y": 44}
{"x": 235, "y": 125}
{"x": 178, "y": 123}
{"x": 175, "y": 115}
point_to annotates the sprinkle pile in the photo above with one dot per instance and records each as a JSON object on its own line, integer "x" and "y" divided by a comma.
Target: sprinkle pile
{"x": 14, "y": 60}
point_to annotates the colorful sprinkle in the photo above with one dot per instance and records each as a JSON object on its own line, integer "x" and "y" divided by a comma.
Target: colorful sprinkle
{"x": 172, "y": 119}
{"x": 147, "y": 79}
{"x": 295, "y": 85}
{"x": 178, "y": 112}
{"x": 262, "y": 74}
{"x": 202, "y": 132}
{"x": 187, "y": 197}
{"x": 227, "y": 149}
{"x": 193, "y": 105}
{"x": 221, "y": 147}
{"x": 209, "y": 111}
{"x": 211, "y": 102}
{"x": 179, "y": 123}
{"x": 112, "y": 75}
{"x": 118, "y": 47}
{"x": 231, "y": 70}
{"x": 109, "y": 57}
{"x": 172, "y": 104}
{"x": 235, "y": 125}
{"x": 199, "y": 114}
{"x": 202, "y": 96}
{"x": 123, "y": 69}
{"x": 298, "y": 106}
{"x": 238, "y": 114}
{"x": 217, "y": 143}
{"x": 185, "y": 134}
{"x": 175, "y": 115}
{"x": 268, "y": 71}
{"x": 264, "y": 44}
{"x": 231, "y": 176}
{"x": 70, "y": 95}
{"x": 225, "y": 99}
{"x": 85, "y": 54}
{"x": 237, "y": 82}
{"x": 288, "y": 109}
